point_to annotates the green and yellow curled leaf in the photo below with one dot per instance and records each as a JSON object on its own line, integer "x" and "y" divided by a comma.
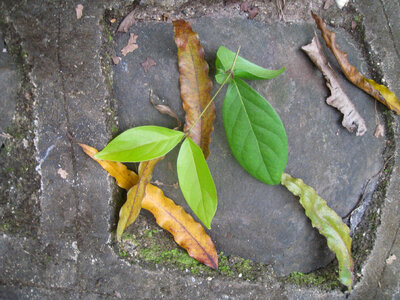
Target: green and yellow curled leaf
{"x": 328, "y": 223}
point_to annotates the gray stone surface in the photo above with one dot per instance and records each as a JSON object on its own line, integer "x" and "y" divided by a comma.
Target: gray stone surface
{"x": 9, "y": 84}
{"x": 70, "y": 256}
{"x": 253, "y": 220}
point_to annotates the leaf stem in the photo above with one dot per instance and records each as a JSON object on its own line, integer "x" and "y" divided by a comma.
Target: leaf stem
{"x": 216, "y": 94}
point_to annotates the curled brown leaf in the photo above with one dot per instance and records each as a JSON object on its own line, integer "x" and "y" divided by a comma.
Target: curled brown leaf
{"x": 127, "y": 22}
{"x": 195, "y": 84}
{"x": 378, "y": 91}
{"x": 165, "y": 110}
{"x": 338, "y": 98}
{"x": 131, "y": 45}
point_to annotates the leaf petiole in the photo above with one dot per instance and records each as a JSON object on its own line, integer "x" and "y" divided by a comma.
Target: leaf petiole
{"x": 230, "y": 71}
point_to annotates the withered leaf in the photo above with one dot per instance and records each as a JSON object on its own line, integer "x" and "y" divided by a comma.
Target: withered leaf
{"x": 244, "y": 6}
{"x": 147, "y": 64}
{"x": 188, "y": 234}
{"x": 328, "y": 223}
{"x": 125, "y": 178}
{"x": 127, "y": 22}
{"x": 116, "y": 59}
{"x": 131, "y": 45}
{"x": 253, "y": 12}
{"x": 379, "y": 92}
{"x": 165, "y": 110}
{"x": 379, "y": 131}
{"x": 131, "y": 208}
{"x": 195, "y": 85}
{"x": 338, "y": 98}
{"x": 78, "y": 10}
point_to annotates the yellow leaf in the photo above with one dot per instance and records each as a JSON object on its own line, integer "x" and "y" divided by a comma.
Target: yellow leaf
{"x": 379, "y": 92}
{"x": 125, "y": 178}
{"x": 131, "y": 208}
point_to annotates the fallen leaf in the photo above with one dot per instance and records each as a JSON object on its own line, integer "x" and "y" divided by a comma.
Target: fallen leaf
{"x": 338, "y": 98}
{"x": 125, "y": 178}
{"x": 379, "y": 92}
{"x": 253, "y": 12}
{"x": 131, "y": 45}
{"x": 127, "y": 22}
{"x": 63, "y": 174}
{"x": 187, "y": 233}
{"x": 116, "y": 59}
{"x": 328, "y": 223}
{"x": 79, "y": 9}
{"x": 353, "y": 25}
{"x": 195, "y": 85}
{"x": 244, "y": 6}
{"x": 165, "y": 110}
{"x": 131, "y": 208}
{"x": 391, "y": 259}
{"x": 379, "y": 131}
{"x": 147, "y": 64}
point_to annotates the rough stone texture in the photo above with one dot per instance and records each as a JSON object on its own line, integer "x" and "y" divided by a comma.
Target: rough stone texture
{"x": 70, "y": 256}
{"x": 9, "y": 84}
{"x": 253, "y": 220}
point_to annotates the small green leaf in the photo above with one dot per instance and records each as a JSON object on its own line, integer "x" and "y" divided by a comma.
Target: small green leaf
{"x": 196, "y": 183}
{"x": 141, "y": 144}
{"x": 255, "y": 133}
{"x": 243, "y": 68}
{"x": 328, "y": 223}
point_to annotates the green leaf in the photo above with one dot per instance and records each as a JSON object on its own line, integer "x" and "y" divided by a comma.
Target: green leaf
{"x": 328, "y": 223}
{"x": 141, "y": 144}
{"x": 243, "y": 68}
{"x": 255, "y": 133}
{"x": 196, "y": 183}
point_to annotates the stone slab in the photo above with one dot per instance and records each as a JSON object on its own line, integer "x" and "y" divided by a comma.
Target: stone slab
{"x": 253, "y": 220}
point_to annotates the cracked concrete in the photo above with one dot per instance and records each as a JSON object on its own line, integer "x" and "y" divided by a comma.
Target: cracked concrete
{"x": 63, "y": 249}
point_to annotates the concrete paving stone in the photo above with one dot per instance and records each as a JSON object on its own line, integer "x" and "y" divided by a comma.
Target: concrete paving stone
{"x": 72, "y": 257}
{"x": 253, "y": 220}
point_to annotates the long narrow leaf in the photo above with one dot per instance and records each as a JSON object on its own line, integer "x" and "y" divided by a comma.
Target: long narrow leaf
{"x": 196, "y": 183}
{"x": 141, "y": 144}
{"x": 255, "y": 133}
{"x": 131, "y": 208}
{"x": 328, "y": 223}
{"x": 243, "y": 68}
{"x": 195, "y": 85}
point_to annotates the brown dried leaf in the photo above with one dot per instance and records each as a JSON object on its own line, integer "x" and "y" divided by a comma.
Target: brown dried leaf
{"x": 78, "y": 10}
{"x": 195, "y": 84}
{"x": 165, "y": 110}
{"x": 187, "y": 233}
{"x": 379, "y": 131}
{"x": 125, "y": 178}
{"x": 127, "y": 22}
{"x": 131, "y": 46}
{"x": 116, "y": 59}
{"x": 338, "y": 98}
{"x": 147, "y": 64}
{"x": 131, "y": 208}
{"x": 379, "y": 92}
{"x": 253, "y": 12}
{"x": 244, "y": 6}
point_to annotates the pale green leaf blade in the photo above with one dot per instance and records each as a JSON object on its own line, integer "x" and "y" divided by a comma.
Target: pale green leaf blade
{"x": 196, "y": 183}
{"x": 243, "y": 68}
{"x": 255, "y": 133}
{"x": 328, "y": 223}
{"x": 141, "y": 144}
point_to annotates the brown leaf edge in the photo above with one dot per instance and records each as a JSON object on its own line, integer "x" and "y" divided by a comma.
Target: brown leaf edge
{"x": 378, "y": 91}
{"x": 131, "y": 208}
{"x": 195, "y": 85}
{"x": 187, "y": 233}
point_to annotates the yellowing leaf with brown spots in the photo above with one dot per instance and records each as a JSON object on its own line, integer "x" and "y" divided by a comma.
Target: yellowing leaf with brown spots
{"x": 195, "y": 85}
{"x": 187, "y": 233}
{"x": 378, "y": 91}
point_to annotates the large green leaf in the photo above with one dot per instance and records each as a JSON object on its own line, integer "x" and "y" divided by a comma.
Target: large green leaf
{"x": 328, "y": 223}
{"x": 243, "y": 68}
{"x": 255, "y": 133}
{"x": 196, "y": 183}
{"x": 141, "y": 144}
